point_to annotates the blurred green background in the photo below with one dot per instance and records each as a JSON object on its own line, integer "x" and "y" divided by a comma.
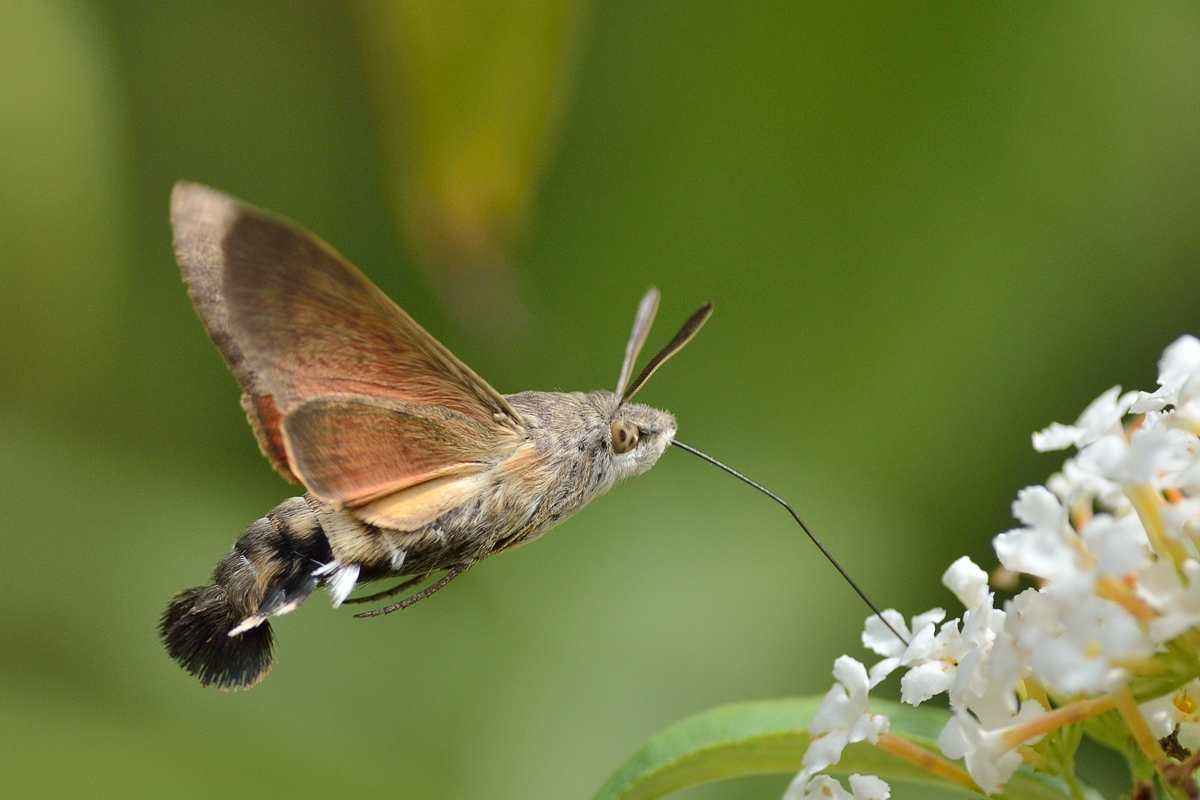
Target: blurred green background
{"x": 927, "y": 230}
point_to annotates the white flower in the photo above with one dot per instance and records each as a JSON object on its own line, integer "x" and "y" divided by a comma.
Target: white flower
{"x": 968, "y": 582}
{"x": 1095, "y": 471}
{"x": 990, "y": 759}
{"x": 880, "y": 638}
{"x": 1041, "y": 548}
{"x": 1118, "y": 545}
{"x": 1103, "y": 416}
{"x": 1075, "y": 639}
{"x": 843, "y": 717}
{"x": 1158, "y": 456}
{"x": 864, "y": 787}
{"x": 987, "y": 691}
{"x": 1083, "y": 478}
{"x": 933, "y": 661}
{"x": 1179, "y": 362}
{"x": 1179, "y": 604}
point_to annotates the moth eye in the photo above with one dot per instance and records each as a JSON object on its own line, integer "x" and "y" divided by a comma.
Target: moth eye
{"x": 624, "y": 436}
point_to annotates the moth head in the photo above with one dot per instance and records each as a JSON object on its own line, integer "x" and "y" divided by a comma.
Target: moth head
{"x": 637, "y": 436}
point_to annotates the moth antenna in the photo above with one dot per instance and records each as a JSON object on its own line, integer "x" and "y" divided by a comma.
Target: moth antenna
{"x": 795, "y": 516}
{"x": 641, "y": 329}
{"x": 689, "y": 329}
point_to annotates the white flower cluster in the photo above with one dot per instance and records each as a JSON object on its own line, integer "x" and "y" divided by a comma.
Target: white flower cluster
{"x": 1111, "y": 546}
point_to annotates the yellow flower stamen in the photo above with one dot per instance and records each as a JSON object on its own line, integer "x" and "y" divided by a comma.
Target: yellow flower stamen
{"x": 1146, "y": 502}
{"x": 1184, "y": 701}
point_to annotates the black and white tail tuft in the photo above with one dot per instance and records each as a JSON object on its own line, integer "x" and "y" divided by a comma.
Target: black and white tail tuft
{"x": 220, "y": 632}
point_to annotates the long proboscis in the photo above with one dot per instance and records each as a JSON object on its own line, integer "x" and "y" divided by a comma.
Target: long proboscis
{"x": 795, "y": 516}
{"x": 689, "y": 329}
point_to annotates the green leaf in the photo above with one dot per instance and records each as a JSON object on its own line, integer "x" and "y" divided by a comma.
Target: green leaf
{"x": 770, "y": 736}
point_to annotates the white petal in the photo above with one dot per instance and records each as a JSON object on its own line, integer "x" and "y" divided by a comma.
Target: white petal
{"x": 1119, "y": 545}
{"x": 869, "y": 727}
{"x": 1147, "y": 402}
{"x": 952, "y": 741}
{"x": 923, "y": 682}
{"x": 869, "y": 787}
{"x": 1102, "y": 416}
{"x": 1104, "y": 457}
{"x": 838, "y": 711}
{"x": 1037, "y": 507}
{"x": 1055, "y": 437}
{"x": 928, "y": 619}
{"x": 924, "y": 645}
{"x": 1180, "y": 361}
{"x": 1189, "y": 735}
{"x": 1161, "y": 714}
{"x": 852, "y": 674}
{"x": 877, "y": 637}
{"x": 1036, "y": 551}
{"x": 795, "y": 790}
{"x": 968, "y": 582}
{"x": 881, "y": 670}
{"x": 821, "y": 786}
{"x": 989, "y": 764}
{"x": 823, "y": 751}
{"x": 1153, "y": 452}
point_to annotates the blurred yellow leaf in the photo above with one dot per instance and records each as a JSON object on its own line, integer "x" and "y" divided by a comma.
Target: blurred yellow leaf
{"x": 469, "y": 96}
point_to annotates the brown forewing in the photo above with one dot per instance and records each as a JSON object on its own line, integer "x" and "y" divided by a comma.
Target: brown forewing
{"x": 351, "y": 449}
{"x": 296, "y": 323}
{"x": 265, "y": 421}
{"x": 296, "y": 320}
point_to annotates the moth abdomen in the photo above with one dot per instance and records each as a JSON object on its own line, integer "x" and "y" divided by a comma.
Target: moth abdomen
{"x": 195, "y": 629}
{"x": 220, "y": 632}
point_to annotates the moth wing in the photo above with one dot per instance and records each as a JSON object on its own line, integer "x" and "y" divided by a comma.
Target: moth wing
{"x": 409, "y": 509}
{"x": 265, "y": 419}
{"x": 295, "y": 320}
{"x": 354, "y": 450}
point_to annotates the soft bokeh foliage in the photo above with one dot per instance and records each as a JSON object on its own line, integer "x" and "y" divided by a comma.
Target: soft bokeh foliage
{"x": 469, "y": 96}
{"x": 927, "y": 230}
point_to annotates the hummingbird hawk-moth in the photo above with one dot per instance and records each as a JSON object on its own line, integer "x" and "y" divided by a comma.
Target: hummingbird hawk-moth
{"x": 412, "y": 464}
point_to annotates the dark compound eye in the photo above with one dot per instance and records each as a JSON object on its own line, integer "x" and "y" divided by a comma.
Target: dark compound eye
{"x": 624, "y": 436}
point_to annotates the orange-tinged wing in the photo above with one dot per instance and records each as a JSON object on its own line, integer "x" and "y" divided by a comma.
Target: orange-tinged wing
{"x": 419, "y": 505}
{"x": 298, "y": 324}
{"x": 351, "y": 449}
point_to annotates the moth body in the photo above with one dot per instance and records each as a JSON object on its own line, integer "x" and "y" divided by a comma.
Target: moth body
{"x": 564, "y": 461}
{"x": 413, "y": 464}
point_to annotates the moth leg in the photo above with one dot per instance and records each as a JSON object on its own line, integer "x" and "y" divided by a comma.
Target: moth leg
{"x": 392, "y": 592}
{"x": 421, "y": 595}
